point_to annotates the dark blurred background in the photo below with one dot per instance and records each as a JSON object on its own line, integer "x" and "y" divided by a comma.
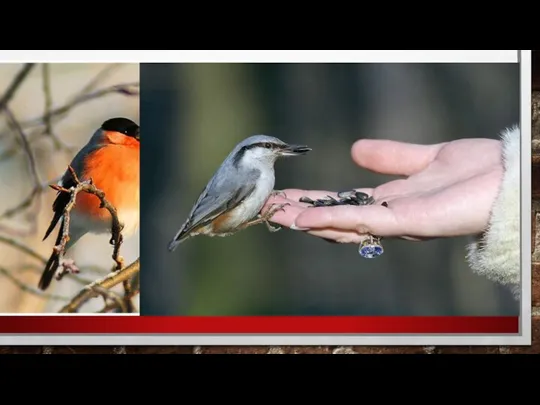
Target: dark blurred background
{"x": 192, "y": 115}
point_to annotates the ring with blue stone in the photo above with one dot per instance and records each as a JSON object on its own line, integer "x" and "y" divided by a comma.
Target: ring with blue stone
{"x": 370, "y": 248}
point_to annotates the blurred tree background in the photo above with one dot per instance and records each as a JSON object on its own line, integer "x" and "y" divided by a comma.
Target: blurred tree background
{"x": 192, "y": 115}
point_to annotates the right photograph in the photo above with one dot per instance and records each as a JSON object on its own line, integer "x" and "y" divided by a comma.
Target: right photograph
{"x": 330, "y": 189}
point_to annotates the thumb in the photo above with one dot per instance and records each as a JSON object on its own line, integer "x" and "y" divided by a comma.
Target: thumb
{"x": 392, "y": 157}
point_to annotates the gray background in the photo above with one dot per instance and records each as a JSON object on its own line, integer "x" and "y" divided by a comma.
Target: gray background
{"x": 192, "y": 115}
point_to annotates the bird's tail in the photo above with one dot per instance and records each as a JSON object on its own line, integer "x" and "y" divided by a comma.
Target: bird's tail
{"x": 52, "y": 263}
{"x": 180, "y": 236}
{"x": 75, "y": 233}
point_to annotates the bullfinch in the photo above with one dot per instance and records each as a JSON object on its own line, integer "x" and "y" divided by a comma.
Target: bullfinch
{"x": 111, "y": 160}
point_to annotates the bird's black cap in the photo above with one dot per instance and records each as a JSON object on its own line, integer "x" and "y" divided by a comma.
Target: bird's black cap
{"x": 123, "y": 125}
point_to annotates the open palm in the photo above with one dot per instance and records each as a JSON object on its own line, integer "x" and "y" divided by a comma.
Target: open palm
{"x": 447, "y": 190}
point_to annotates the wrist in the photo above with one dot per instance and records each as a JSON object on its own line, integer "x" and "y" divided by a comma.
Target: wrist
{"x": 495, "y": 253}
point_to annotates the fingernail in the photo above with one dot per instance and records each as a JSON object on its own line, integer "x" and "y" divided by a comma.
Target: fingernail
{"x": 295, "y": 228}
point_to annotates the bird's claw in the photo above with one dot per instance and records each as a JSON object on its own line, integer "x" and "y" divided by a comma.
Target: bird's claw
{"x": 275, "y": 208}
{"x": 276, "y": 193}
{"x": 272, "y": 228}
{"x": 270, "y": 213}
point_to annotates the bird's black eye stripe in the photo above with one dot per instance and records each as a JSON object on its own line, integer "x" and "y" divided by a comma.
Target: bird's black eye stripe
{"x": 267, "y": 145}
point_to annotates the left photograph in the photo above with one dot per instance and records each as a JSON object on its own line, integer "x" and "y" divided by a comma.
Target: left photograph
{"x": 69, "y": 188}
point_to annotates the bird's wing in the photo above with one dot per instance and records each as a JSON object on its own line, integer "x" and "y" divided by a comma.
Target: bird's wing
{"x": 59, "y": 204}
{"x": 212, "y": 204}
{"x": 62, "y": 199}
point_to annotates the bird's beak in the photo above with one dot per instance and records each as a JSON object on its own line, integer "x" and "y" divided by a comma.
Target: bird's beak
{"x": 294, "y": 150}
{"x": 138, "y": 135}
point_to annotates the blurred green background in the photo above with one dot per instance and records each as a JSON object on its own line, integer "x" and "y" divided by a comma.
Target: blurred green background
{"x": 192, "y": 115}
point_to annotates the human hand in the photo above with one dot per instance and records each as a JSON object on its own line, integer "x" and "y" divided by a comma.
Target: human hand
{"x": 449, "y": 190}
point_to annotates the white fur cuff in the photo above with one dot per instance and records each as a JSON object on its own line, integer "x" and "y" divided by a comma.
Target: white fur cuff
{"x": 496, "y": 254}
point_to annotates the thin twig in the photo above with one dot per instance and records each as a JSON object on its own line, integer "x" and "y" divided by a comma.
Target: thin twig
{"x": 32, "y": 253}
{"x": 109, "y": 281}
{"x": 22, "y": 247}
{"x": 102, "y": 75}
{"x": 108, "y": 308}
{"x": 88, "y": 187}
{"x": 110, "y": 295}
{"x": 36, "y": 269}
{"x": 90, "y": 86}
{"x": 127, "y": 296}
{"x": 135, "y": 283}
{"x": 15, "y": 84}
{"x": 47, "y": 92}
{"x": 26, "y": 146}
{"x": 30, "y": 290}
{"x": 10, "y": 212}
{"x": 31, "y": 163}
{"x": 127, "y": 89}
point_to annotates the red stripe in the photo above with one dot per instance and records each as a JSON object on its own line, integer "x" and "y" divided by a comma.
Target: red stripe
{"x": 261, "y": 325}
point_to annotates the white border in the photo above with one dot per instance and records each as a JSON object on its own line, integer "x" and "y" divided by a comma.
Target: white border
{"x": 426, "y": 56}
{"x": 526, "y": 194}
{"x": 260, "y": 56}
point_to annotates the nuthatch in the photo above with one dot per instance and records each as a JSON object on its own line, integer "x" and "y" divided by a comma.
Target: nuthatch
{"x": 234, "y": 196}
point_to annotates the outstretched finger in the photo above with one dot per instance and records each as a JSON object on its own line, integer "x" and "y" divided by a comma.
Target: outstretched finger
{"x": 374, "y": 219}
{"x": 393, "y": 157}
{"x": 338, "y": 236}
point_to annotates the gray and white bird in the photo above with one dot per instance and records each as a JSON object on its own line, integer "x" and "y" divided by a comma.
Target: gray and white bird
{"x": 234, "y": 196}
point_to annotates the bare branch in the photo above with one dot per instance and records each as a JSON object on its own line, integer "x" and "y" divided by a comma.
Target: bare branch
{"x": 27, "y": 201}
{"x": 47, "y": 92}
{"x": 109, "y": 281}
{"x": 93, "y": 83}
{"x": 30, "y": 290}
{"x": 31, "y": 162}
{"x": 127, "y": 89}
{"x": 88, "y": 187}
{"x": 32, "y": 253}
{"x": 102, "y": 75}
{"x": 117, "y": 301}
{"x": 23, "y": 248}
{"x": 15, "y": 84}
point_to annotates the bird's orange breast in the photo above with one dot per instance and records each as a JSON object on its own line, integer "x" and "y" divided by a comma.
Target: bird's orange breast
{"x": 114, "y": 169}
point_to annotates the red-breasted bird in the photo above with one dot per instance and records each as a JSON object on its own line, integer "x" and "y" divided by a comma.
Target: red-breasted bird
{"x": 111, "y": 160}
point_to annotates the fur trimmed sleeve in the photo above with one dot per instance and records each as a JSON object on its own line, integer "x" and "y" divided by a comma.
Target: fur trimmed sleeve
{"x": 496, "y": 253}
